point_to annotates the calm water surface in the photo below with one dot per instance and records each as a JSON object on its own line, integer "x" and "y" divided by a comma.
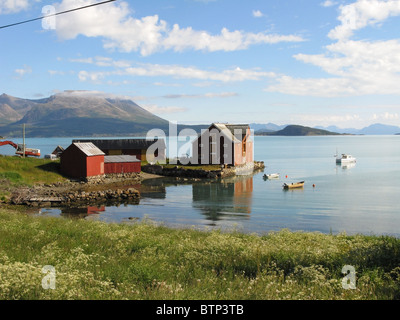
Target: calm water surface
{"x": 363, "y": 198}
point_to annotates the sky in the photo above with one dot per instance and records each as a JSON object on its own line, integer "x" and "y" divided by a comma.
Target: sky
{"x": 307, "y": 62}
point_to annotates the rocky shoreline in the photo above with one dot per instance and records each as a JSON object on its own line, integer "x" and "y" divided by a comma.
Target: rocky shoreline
{"x": 99, "y": 191}
{"x": 186, "y": 172}
{"x": 115, "y": 189}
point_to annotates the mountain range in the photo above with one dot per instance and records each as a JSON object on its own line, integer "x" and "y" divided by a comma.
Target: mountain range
{"x": 77, "y": 114}
{"x": 374, "y": 129}
{"x": 88, "y": 114}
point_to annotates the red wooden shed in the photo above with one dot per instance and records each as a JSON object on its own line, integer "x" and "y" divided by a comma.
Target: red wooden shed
{"x": 121, "y": 164}
{"x": 82, "y": 160}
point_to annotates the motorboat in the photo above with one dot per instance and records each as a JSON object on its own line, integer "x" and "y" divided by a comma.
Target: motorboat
{"x": 271, "y": 176}
{"x": 294, "y": 185}
{"x": 346, "y": 159}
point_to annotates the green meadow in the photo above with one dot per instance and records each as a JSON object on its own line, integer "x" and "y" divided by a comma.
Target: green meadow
{"x": 19, "y": 172}
{"x": 100, "y": 261}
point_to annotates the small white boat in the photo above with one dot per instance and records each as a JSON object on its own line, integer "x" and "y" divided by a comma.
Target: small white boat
{"x": 271, "y": 176}
{"x": 345, "y": 159}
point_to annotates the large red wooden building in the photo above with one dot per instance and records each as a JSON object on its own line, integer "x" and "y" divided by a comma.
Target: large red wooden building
{"x": 229, "y": 144}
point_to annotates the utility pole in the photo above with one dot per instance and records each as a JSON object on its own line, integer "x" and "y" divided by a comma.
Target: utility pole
{"x": 23, "y": 138}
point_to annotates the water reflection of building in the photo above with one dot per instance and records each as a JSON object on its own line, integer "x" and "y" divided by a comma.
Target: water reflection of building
{"x": 229, "y": 199}
{"x": 81, "y": 212}
{"x": 152, "y": 188}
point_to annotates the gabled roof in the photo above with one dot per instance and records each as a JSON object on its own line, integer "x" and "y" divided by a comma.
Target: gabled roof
{"x": 232, "y": 130}
{"x": 89, "y": 149}
{"x": 58, "y": 149}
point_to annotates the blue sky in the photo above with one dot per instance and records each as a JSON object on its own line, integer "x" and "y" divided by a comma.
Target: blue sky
{"x": 309, "y": 62}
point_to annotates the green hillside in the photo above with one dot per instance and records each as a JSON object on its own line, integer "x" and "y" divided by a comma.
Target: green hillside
{"x": 70, "y": 114}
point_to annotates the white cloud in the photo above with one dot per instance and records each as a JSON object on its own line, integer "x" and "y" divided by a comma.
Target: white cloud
{"x": 14, "y": 6}
{"x": 354, "y": 68}
{"x": 188, "y": 39}
{"x": 114, "y": 23}
{"x": 327, "y": 120}
{"x": 174, "y": 71}
{"x": 102, "y": 62}
{"x": 257, "y": 14}
{"x": 164, "y": 84}
{"x": 205, "y": 95}
{"x": 361, "y": 14}
{"x": 23, "y": 71}
{"x": 328, "y": 3}
{"x": 385, "y": 117}
{"x": 162, "y": 110}
{"x": 98, "y": 95}
{"x": 95, "y": 76}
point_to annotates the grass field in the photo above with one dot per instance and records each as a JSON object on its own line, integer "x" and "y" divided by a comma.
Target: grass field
{"x": 94, "y": 260}
{"x": 16, "y": 171}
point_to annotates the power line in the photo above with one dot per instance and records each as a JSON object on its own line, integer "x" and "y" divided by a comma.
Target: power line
{"x": 56, "y": 14}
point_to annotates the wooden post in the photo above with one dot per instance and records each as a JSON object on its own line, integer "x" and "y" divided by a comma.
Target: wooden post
{"x": 23, "y": 140}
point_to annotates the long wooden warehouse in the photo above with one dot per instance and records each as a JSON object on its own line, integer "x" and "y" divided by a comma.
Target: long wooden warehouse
{"x": 133, "y": 147}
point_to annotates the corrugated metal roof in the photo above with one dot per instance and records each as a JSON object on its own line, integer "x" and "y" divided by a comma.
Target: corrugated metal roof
{"x": 89, "y": 149}
{"x": 120, "y": 159}
{"x": 127, "y": 144}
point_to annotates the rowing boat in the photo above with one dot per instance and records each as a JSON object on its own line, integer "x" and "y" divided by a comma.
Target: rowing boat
{"x": 293, "y": 185}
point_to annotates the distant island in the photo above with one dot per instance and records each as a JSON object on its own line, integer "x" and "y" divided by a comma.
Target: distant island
{"x": 273, "y": 129}
{"x": 296, "y": 130}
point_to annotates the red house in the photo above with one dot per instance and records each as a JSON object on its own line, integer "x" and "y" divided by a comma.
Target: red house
{"x": 82, "y": 160}
{"x": 229, "y": 144}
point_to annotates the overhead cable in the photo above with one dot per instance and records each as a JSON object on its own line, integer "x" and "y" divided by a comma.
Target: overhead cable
{"x": 56, "y": 14}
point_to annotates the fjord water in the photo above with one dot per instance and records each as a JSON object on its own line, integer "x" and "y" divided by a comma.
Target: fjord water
{"x": 362, "y": 198}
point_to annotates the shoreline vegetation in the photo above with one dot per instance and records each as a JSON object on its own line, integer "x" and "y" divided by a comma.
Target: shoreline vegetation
{"x": 140, "y": 260}
{"x": 144, "y": 261}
